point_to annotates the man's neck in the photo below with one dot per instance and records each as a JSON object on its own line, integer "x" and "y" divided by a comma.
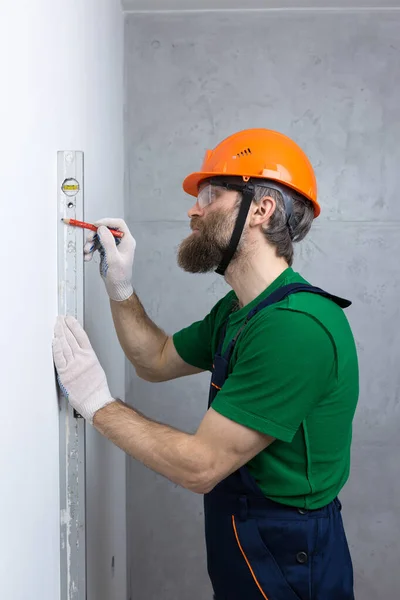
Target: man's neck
{"x": 252, "y": 273}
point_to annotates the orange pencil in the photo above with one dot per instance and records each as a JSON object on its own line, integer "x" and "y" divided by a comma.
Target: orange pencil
{"x": 74, "y": 223}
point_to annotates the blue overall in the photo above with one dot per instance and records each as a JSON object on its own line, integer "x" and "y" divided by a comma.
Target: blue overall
{"x": 257, "y": 548}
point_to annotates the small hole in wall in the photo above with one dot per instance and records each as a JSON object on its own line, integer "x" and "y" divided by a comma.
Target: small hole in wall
{"x": 70, "y": 205}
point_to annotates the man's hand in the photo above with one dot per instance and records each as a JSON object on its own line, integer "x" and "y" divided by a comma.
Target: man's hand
{"x": 80, "y": 375}
{"x": 117, "y": 255}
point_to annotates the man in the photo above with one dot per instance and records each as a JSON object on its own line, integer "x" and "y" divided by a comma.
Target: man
{"x": 273, "y": 450}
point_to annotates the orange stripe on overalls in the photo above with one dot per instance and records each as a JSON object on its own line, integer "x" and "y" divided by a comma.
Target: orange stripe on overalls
{"x": 246, "y": 559}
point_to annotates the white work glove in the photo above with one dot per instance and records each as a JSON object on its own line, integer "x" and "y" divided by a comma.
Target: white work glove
{"x": 80, "y": 375}
{"x": 116, "y": 257}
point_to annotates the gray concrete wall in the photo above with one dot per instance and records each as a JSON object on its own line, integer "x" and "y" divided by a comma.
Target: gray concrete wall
{"x": 332, "y": 81}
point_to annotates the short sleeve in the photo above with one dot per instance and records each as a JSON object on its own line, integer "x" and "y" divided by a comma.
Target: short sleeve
{"x": 284, "y": 365}
{"x": 194, "y": 344}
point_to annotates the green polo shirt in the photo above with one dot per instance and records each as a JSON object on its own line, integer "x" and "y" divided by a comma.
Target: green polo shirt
{"x": 293, "y": 376}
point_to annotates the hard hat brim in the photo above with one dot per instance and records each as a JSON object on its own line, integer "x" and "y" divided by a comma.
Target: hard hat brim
{"x": 191, "y": 182}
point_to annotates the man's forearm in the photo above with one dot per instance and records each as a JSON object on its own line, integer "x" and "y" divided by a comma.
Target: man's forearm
{"x": 140, "y": 338}
{"x": 174, "y": 454}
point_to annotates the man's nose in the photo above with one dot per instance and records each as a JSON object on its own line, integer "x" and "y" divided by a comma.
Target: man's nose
{"x": 196, "y": 211}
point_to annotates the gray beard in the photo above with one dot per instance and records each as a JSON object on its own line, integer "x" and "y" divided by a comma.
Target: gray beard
{"x": 198, "y": 254}
{"x": 202, "y": 252}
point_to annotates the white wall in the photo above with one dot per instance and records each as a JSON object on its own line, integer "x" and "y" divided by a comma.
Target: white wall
{"x": 61, "y": 88}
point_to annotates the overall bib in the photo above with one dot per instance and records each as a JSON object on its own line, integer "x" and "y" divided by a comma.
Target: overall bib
{"x": 259, "y": 549}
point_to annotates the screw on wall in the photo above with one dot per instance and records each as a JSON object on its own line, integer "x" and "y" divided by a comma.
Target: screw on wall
{"x": 113, "y": 566}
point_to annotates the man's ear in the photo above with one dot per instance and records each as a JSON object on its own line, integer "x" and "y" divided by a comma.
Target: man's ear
{"x": 262, "y": 211}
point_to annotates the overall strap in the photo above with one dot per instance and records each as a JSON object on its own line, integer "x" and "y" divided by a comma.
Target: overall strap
{"x": 277, "y": 296}
{"x": 293, "y": 288}
{"x": 222, "y": 337}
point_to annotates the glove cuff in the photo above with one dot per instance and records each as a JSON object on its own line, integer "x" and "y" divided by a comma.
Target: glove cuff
{"x": 119, "y": 291}
{"x": 98, "y": 401}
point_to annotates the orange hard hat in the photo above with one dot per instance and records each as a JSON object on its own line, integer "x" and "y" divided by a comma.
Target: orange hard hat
{"x": 260, "y": 154}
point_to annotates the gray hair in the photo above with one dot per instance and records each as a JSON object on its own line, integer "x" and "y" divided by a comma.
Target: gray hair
{"x": 277, "y": 231}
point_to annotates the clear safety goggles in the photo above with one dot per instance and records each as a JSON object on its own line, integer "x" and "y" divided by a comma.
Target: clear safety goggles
{"x": 210, "y": 191}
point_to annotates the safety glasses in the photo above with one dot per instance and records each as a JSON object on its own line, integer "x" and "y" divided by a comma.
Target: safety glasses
{"x": 209, "y": 193}
{"x": 212, "y": 190}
